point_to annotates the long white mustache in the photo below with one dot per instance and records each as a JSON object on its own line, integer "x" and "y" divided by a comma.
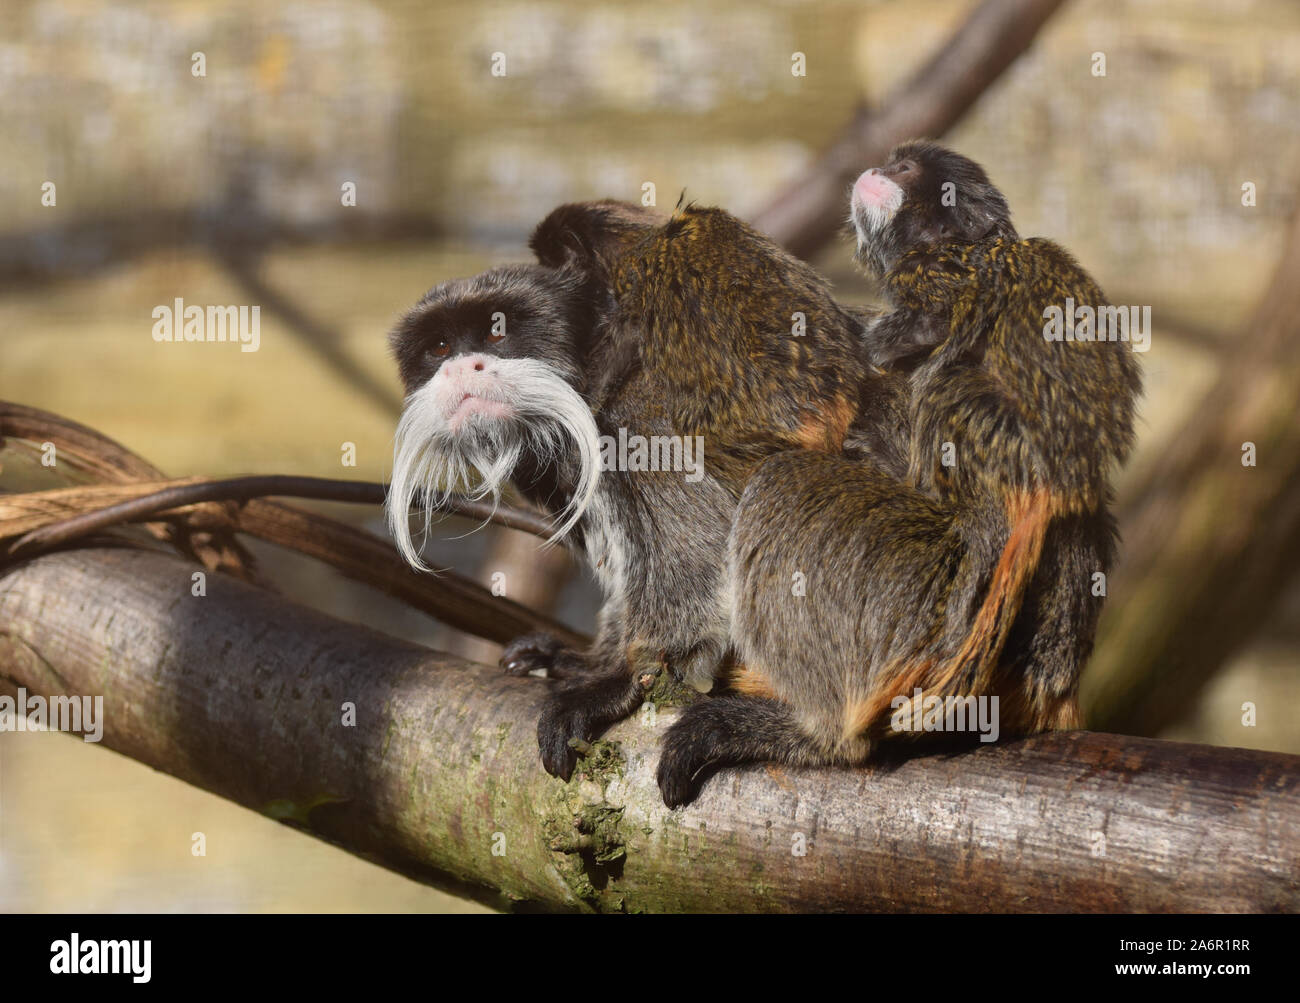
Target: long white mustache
{"x": 548, "y": 419}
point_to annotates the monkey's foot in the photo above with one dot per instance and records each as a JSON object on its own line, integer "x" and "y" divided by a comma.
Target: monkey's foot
{"x": 688, "y": 749}
{"x": 579, "y": 713}
{"x": 727, "y": 731}
{"x": 542, "y": 652}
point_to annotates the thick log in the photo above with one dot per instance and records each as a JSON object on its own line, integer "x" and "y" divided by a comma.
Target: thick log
{"x": 244, "y": 693}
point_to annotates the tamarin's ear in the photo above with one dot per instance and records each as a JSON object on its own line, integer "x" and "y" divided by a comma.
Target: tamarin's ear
{"x": 925, "y": 231}
{"x": 970, "y": 227}
{"x": 590, "y": 235}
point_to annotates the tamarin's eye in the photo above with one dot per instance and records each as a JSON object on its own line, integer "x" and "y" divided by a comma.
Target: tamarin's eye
{"x": 440, "y": 350}
{"x": 905, "y": 167}
{"x": 494, "y": 336}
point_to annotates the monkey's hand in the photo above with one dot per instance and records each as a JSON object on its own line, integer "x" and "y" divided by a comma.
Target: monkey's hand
{"x": 578, "y": 712}
{"x": 542, "y": 652}
{"x": 899, "y": 334}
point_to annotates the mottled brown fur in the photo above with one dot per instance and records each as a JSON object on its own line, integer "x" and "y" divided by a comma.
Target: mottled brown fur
{"x": 961, "y": 565}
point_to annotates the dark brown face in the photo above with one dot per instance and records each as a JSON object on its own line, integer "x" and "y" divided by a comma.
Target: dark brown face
{"x": 519, "y": 312}
{"x": 493, "y": 368}
{"x": 924, "y": 196}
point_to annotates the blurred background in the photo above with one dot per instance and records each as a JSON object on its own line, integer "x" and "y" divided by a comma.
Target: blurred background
{"x": 225, "y": 188}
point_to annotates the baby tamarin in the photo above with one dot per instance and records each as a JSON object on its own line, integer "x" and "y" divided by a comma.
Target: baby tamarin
{"x": 695, "y": 326}
{"x": 975, "y": 574}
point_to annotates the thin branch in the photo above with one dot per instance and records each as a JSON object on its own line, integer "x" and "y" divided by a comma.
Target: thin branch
{"x": 242, "y": 489}
{"x": 447, "y": 596}
{"x": 322, "y": 340}
{"x": 80, "y": 446}
{"x": 353, "y": 552}
{"x": 85, "y": 452}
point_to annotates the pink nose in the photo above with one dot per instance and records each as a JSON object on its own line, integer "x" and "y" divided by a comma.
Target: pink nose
{"x": 466, "y": 365}
{"x": 871, "y": 186}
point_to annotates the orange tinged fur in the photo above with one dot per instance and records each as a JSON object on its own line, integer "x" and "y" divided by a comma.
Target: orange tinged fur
{"x": 971, "y": 670}
{"x": 749, "y": 682}
{"x": 826, "y": 432}
{"x": 862, "y": 715}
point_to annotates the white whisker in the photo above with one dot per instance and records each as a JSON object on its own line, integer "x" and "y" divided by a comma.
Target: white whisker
{"x": 546, "y": 417}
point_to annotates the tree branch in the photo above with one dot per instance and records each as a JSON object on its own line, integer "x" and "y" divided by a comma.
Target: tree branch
{"x": 210, "y": 536}
{"x": 243, "y": 693}
{"x": 324, "y": 341}
{"x": 185, "y": 492}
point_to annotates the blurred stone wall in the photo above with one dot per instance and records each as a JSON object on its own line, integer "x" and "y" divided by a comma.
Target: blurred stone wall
{"x": 1140, "y": 171}
{"x": 99, "y": 97}
{"x": 401, "y": 98}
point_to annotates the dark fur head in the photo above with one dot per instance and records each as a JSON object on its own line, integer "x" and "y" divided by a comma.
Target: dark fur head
{"x": 591, "y": 236}
{"x": 511, "y": 312}
{"x": 494, "y": 371}
{"x": 925, "y": 196}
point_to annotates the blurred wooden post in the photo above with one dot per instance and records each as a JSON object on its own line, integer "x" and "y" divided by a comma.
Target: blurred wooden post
{"x": 1210, "y": 541}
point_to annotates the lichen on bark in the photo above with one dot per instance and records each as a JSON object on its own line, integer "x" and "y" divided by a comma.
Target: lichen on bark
{"x": 582, "y": 828}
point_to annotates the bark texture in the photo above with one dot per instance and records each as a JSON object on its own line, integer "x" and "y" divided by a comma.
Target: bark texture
{"x": 244, "y": 693}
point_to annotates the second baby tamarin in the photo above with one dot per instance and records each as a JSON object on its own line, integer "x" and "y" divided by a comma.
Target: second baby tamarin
{"x": 977, "y": 573}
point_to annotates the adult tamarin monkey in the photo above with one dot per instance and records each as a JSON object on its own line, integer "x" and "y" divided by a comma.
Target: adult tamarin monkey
{"x": 975, "y": 575}
{"x": 697, "y": 326}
